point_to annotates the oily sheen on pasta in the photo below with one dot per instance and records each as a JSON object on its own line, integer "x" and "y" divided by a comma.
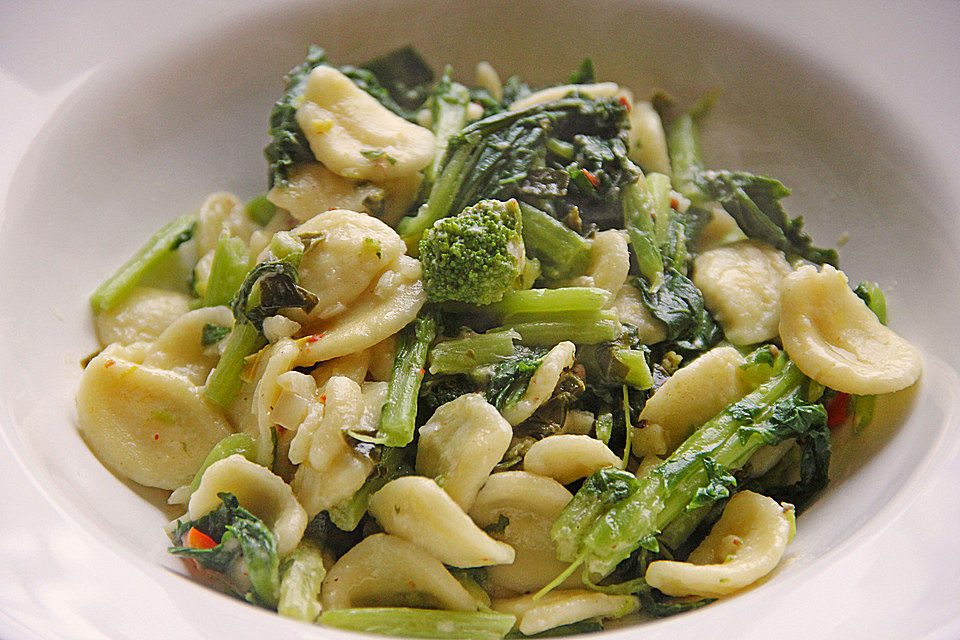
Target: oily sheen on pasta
{"x": 484, "y": 358}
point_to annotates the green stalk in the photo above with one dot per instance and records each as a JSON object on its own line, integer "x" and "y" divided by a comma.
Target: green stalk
{"x": 563, "y": 253}
{"x": 463, "y": 355}
{"x": 162, "y": 243}
{"x": 301, "y": 576}
{"x": 590, "y": 327}
{"x": 231, "y": 262}
{"x": 422, "y": 623}
{"x": 639, "y": 215}
{"x": 224, "y": 381}
{"x": 540, "y": 301}
{"x": 234, "y": 443}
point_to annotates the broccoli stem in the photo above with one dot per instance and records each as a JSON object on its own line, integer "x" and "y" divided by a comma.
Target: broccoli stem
{"x": 301, "y": 576}
{"x": 240, "y": 443}
{"x": 683, "y": 145}
{"x": 563, "y": 253}
{"x": 398, "y": 418}
{"x": 535, "y": 302}
{"x": 463, "y": 355}
{"x": 162, "y": 243}
{"x": 666, "y": 491}
{"x": 421, "y": 623}
{"x": 638, "y": 371}
{"x": 547, "y": 329}
{"x": 261, "y": 210}
{"x": 439, "y": 202}
{"x": 448, "y": 107}
{"x": 346, "y": 515}
{"x": 224, "y": 381}
{"x": 639, "y": 214}
{"x": 231, "y": 262}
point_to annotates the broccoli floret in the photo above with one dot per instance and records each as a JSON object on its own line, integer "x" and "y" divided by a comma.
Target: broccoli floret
{"x": 475, "y": 256}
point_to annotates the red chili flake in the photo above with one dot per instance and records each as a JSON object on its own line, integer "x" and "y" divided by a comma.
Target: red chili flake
{"x": 156, "y": 436}
{"x": 323, "y": 398}
{"x": 314, "y": 337}
{"x": 422, "y": 371}
{"x": 109, "y": 363}
{"x": 592, "y": 178}
{"x": 625, "y": 102}
{"x": 674, "y": 203}
{"x": 837, "y": 410}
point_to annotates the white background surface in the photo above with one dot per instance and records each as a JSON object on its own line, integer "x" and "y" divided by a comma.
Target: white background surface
{"x": 59, "y": 581}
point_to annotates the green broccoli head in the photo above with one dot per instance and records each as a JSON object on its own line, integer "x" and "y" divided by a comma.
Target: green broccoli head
{"x": 475, "y": 256}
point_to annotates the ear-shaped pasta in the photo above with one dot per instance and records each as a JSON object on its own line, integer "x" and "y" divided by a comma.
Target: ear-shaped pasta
{"x": 596, "y": 90}
{"x": 352, "y": 365}
{"x": 313, "y": 189}
{"x": 741, "y": 288}
{"x": 222, "y": 211}
{"x": 142, "y": 315}
{"x": 690, "y": 397}
{"x": 542, "y": 383}
{"x": 632, "y": 310}
{"x": 384, "y": 570}
{"x": 275, "y": 361}
{"x": 179, "y": 348}
{"x": 461, "y": 444}
{"x": 746, "y": 544}
{"x": 259, "y": 491}
{"x": 354, "y": 135}
{"x": 834, "y": 338}
{"x": 609, "y": 263}
{"x": 332, "y": 471}
{"x": 564, "y": 606}
{"x": 348, "y": 252}
{"x": 387, "y": 306}
{"x": 382, "y": 356}
{"x": 647, "y": 140}
{"x": 566, "y": 458}
{"x": 719, "y": 230}
{"x": 149, "y": 425}
{"x": 417, "y": 509}
{"x": 531, "y": 504}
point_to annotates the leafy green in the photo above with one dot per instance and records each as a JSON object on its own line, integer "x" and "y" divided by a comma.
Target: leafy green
{"x": 212, "y": 334}
{"x": 563, "y": 253}
{"x": 599, "y": 492}
{"x": 508, "y": 380}
{"x": 301, "y": 576}
{"x": 238, "y": 533}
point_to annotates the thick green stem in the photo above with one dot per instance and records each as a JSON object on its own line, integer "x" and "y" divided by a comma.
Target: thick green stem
{"x": 422, "y": 623}
{"x": 398, "y": 418}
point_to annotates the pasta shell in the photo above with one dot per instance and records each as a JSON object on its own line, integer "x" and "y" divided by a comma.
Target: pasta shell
{"x": 542, "y": 383}
{"x": 834, "y": 338}
{"x": 418, "y": 510}
{"x": 632, "y": 310}
{"x": 597, "y": 90}
{"x": 746, "y": 544}
{"x": 354, "y": 135}
{"x": 179, "y": 348}
{"x": 564, "y": 606}
{"x": 609, "y": 263}
{"x": 566, "y": 458}
{"x": 259, "y": 491}
{"x": 461, "y": 444}
{"x": 384, "y": 570}
{"x": 647, "y": 140}
{"x": 141, "y": 316}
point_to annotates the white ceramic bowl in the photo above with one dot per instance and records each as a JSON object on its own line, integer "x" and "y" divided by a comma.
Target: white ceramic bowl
{"x": 142, "y": 138}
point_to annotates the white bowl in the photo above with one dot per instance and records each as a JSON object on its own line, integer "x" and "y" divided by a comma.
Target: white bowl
{"x": 143, "y": 138}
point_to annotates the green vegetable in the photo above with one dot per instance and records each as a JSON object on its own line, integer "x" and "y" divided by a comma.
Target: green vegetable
{"x": 421, "y": 623}
{"x": 448, "y": 110}
{"x": 774, "y": 411}
{"x": 545, "y": 317}
{"x": 234, "y": 443}
{"x": 563, "y": 253}
{"x": 161, "y": 244}
{"x": 872, "y": 296}
{"x": 261, "y": 210}
{"x": 238, "y": 533}
{"x": 212, "y": 334}
{"x": 536, "y": 302}
{"x": 231, "y": 262}
{"x": 301, "y": 575}
{"x": 475, "y": 256}
{"x": 507, "y": 381}
{"x": 347, "y": 514}
{"x": 463, "y": 355}
{"x": 399, "y": 415}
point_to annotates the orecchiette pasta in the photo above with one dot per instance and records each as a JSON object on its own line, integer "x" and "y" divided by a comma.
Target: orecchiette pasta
{"x": 384, "y": 570}
{"x": 648, "y": 142}
{"x": 690, "y": 397}
{"x": 149, "y": 425}
{"x": 259, "y": 491}
{"x": 542, "y": 383}
{"x": 179, "y": 347}
{"x": 746, "y": 544}
{"x": 417, "y": 509}
{"x": 566, "y": 458}
{"x": 461, "y": 444}
{"x": 530, "y": 504}
{"x": 632, "y": 310}
{"x": 609, "y": 263}
{"x": 833, "y": 337}
{"x": 143, "y": 315}
{"x": 741, "y": 287}
{"x": 597, "y": 90}
{"x": 354, "y": 135}
{"x": 564, "y": 606}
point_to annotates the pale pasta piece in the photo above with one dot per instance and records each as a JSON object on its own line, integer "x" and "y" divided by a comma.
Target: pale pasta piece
{"x": 564, "y": 606}
{"x": 388, "y": 306}
{"x": 382, "y": 356}
{"x": 690, "y": 397}
{"x": 222, "y": 211}
{"x": 276, "y": 327}
{"x": 488, "y": 78}
{"x": 347, "y": 252}
{"x": 530, "y": 504}
{"x": 142, "y": 315}
{"x": 578, "y": 422}
{"x": 149, "y": 425}
{"x": 632, "y": 310}
{"x": 595, "y": 91}
{"x": 374, "y": 397}
{"x": 384, "y": 570}
{"x": 566, "y": 458}
{"x": 418, "y": 510}
{"x": 746, "y": 544}
{"x": 352, "y": 365}
{"x": 834, "y": 338}
{"x": 609, "y": 263}
{"x": 354, "y": 135}
{"x": 179, "y": 348}
{"x": 461, "y": 444}
{"x": 279, "y": 360}
{"x": 647, "y": 140}
{"x": 333, "y": 470}
{"x": 720, "y": 229}
{"x": 741, "y": 288}
{"x": 259, "y": 491}
{"x": 542, "y": 383}
{"x": 299, "y": 448}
